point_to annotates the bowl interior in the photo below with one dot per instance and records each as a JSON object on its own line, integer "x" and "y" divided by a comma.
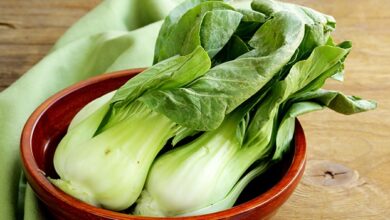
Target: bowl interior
{"x": 50, "y": 121}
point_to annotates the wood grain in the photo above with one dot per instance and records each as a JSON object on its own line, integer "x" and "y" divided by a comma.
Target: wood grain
{"x": 28, "y": 29}
{"x": 359, "y": 143}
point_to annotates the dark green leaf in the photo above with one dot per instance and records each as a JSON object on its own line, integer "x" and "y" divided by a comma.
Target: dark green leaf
{"x": 338, "y": 102}
{"x": 283, "y": 31}
{"x": 310, "y": 74}
{"x": 217, "y": 28}
{"x": 183, "y": 36}
{"x": 171, "y": 73}
{"x": 171, "y": 21}
{"x": 312, "y": 101}
{"x": 318, "y": 25}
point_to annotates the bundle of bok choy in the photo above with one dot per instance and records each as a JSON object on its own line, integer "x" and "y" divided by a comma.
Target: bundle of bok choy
{"x": 229, "y": 81}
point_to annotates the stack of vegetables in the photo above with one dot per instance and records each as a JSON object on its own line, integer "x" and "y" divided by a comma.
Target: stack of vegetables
{"x": 221, "y": 99}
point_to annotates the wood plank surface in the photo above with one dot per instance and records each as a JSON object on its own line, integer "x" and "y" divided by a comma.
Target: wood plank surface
{"x": 348, "y": 169}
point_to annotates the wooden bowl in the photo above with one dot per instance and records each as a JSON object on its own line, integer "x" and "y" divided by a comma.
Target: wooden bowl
{"x": 48, "y": 124}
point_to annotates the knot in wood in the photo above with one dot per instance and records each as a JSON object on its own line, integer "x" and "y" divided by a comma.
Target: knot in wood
{"x": 328, "y": 173}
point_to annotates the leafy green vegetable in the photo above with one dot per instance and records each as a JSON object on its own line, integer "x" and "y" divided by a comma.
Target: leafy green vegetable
{"x": 121, "y": 135}
{"x": 219, "y": 159}
{"x": 225, "y": 91}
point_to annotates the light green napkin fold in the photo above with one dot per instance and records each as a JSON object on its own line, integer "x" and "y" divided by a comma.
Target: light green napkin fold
{"x": 115, "y": 35}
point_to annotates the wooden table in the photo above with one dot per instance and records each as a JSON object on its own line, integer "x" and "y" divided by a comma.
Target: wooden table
{"x": 348, "y": 169}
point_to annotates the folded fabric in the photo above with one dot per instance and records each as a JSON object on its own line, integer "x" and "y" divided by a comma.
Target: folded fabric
{"x": 115, "y": 35}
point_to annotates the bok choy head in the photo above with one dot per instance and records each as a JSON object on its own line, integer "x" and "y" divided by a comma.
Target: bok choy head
{"x": 208, "y": 174}
{"x": 122, "y": 136}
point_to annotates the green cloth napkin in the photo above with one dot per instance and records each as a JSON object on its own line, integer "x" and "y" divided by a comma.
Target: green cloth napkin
{"x": 116, "y": 35}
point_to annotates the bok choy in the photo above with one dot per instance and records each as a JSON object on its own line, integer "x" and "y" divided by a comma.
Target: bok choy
{"x": 231, "y": 83}
{"x": 209, "y": 173}
{"x": 125, "y": 138}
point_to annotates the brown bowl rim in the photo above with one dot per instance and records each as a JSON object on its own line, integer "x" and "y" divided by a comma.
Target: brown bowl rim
{"x": 38, "y": 176}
